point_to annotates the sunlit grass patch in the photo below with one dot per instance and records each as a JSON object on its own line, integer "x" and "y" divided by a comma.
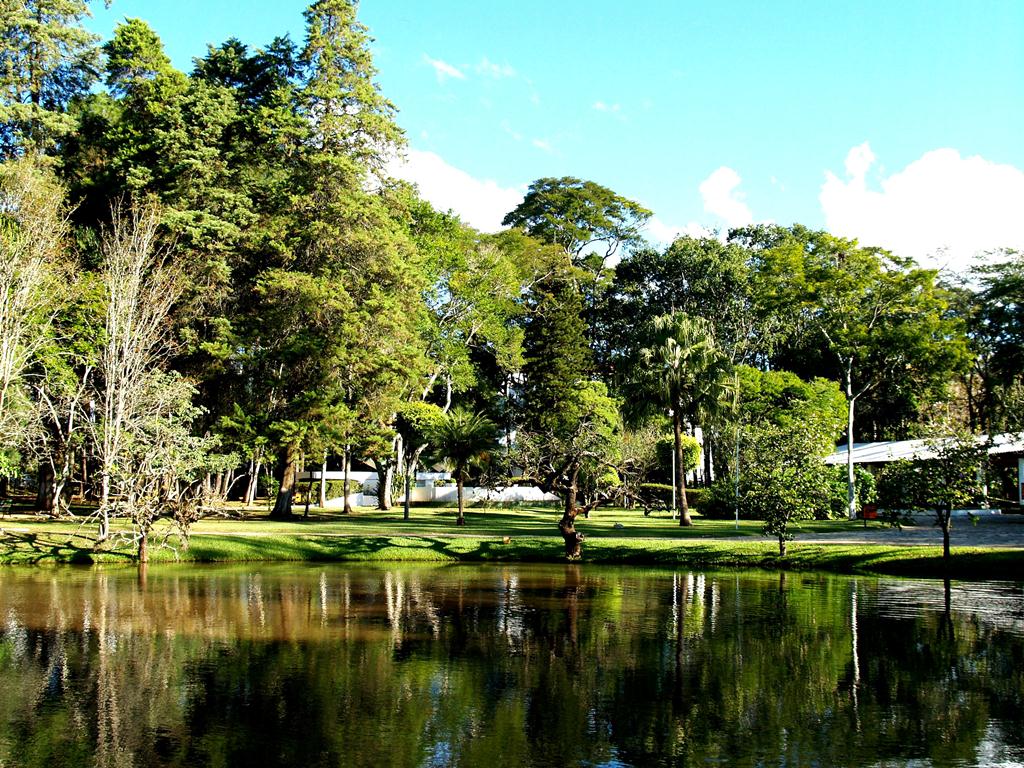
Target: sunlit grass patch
{"x": 614, "y": 537}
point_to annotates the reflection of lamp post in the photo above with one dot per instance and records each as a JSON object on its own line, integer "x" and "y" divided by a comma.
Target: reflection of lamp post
{"x": 673, "y": 452}
{"x": 736, "y": 479}
{"x": 736, "y": 416}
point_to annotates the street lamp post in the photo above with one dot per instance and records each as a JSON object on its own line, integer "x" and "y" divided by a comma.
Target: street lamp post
{"x": 671, "y": 413}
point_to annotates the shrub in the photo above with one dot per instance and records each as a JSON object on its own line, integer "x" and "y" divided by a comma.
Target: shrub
{"x": 659, "y": 493}
{"x": 835, "y": 507}
{"x": 695, "y": 497}
{"x": 719, "y": 500}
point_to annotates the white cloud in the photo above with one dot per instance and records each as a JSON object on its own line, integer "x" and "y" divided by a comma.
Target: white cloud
{"x": 600, "y": 106}
{"x": 941, "y": 209}
{"x": 720, "y": 192}
{"x": 443, "y": 69}
{"x": 661, "y": 233}
{"x": 859, "y": 160}
{"x": 543, "y": 145}
{"x": 479, "y": 203}
{"x": 497, "y": 71}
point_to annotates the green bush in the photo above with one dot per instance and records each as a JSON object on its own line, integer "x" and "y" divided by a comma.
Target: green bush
{"x": 665, "y": 447}
{"x": 696, "y": 497}
{"x": 719, "y": 500}
{"x": 835, "y": 479}
{"x": 659, "y": 493}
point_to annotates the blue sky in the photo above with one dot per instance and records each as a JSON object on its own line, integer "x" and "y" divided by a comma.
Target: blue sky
{"x": 898, "y": 123}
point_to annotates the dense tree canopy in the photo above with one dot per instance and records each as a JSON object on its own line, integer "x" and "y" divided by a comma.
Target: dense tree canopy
{"x": 318, "y": 305}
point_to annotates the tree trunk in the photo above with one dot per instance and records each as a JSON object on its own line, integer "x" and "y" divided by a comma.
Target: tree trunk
{"x": 461, "y": 520}
{"x": 946, "y": 521}
{"x": 567, "y": 525}
{"x": 385, "y": 473}
{"x": 60, "y": 487}
{"x": 104, "y": 508}
{"x": 410, "y": 468}
{"x": 573, "y": 539}
{"x": 684, "y": 506}
{"x": 323, "y": 482}
{"x": 143, "y": 547}
{"x": 283, "y": 504}
{"x": 347, "y": 508}
{"x": 45, "y": 499}
{"x": 254, "y": 478}
{"x": 782, "y": 546}
{"x": 709, "y": 465}
{"x": 83, "y": 479}
{"x": 309, "y": 496}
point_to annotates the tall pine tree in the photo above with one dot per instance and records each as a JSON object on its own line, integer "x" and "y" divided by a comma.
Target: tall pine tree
{"x": 47, "y": 58}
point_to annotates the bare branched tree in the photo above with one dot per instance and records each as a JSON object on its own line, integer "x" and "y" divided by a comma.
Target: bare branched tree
{"x": 33, "y": 231}
{"x": 141, "y": 288}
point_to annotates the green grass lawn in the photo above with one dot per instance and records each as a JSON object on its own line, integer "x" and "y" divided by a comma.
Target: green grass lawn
{"x": 431, "y": 535}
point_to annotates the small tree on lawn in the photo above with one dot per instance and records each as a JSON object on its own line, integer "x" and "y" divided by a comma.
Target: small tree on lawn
{"x": 786, "y": 480}
{"x": 938, "y": 485}
{"x": 415, "y": 423}
{"x": 586, "y": 440}
{"x": 462, "y": 439}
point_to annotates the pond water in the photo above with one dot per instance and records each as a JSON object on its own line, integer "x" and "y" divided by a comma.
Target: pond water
{"x": 505, "y": 666}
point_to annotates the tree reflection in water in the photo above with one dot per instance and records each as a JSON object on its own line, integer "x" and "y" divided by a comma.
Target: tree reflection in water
{"x": 495, "y": 666}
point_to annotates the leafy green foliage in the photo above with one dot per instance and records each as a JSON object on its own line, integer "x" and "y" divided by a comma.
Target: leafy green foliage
{"x": 702, "y": 277}
{"x": 579, "y": 216}
{"x": 686, "y": 372}
{"x": 879, "y": 320}
{"x": 463, "y": 440}
{"x": 784, "y": 400}
{"x": 47, "y": 58}
{"x": 949, "y": 481}
{"x": 557, "y": 357}
{"x": 350, "y": 119}
{"x": 665, "y": 447}
{"x": 784, "y": 482}
{"x": 995, "y": 321}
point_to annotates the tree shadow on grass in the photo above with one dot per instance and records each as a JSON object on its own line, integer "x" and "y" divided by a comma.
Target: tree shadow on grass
{"x": 34, "y": 549}
{"x": 429, "y": 521}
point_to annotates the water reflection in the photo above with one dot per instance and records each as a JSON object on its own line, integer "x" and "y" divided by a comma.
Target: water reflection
{"x": 505, "y": 666}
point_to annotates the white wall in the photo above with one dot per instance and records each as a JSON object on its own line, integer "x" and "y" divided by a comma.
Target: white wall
{"x": 449, "y": 494}
{"x": 425, "y": 491}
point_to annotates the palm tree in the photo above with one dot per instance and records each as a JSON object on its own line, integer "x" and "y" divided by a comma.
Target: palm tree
{"x": 689, "y": 369}
{"x": 462, "y": 438}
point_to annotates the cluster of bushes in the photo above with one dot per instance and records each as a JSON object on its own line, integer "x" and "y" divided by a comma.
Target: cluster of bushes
{"x": 719, "y": 499}
{"x": 658, "y": 495}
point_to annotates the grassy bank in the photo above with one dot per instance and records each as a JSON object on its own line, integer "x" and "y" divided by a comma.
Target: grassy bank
{"x": 623, "y": 537}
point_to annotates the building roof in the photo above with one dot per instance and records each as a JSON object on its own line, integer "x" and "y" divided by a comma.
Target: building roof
{"x": 893, "y": 450}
